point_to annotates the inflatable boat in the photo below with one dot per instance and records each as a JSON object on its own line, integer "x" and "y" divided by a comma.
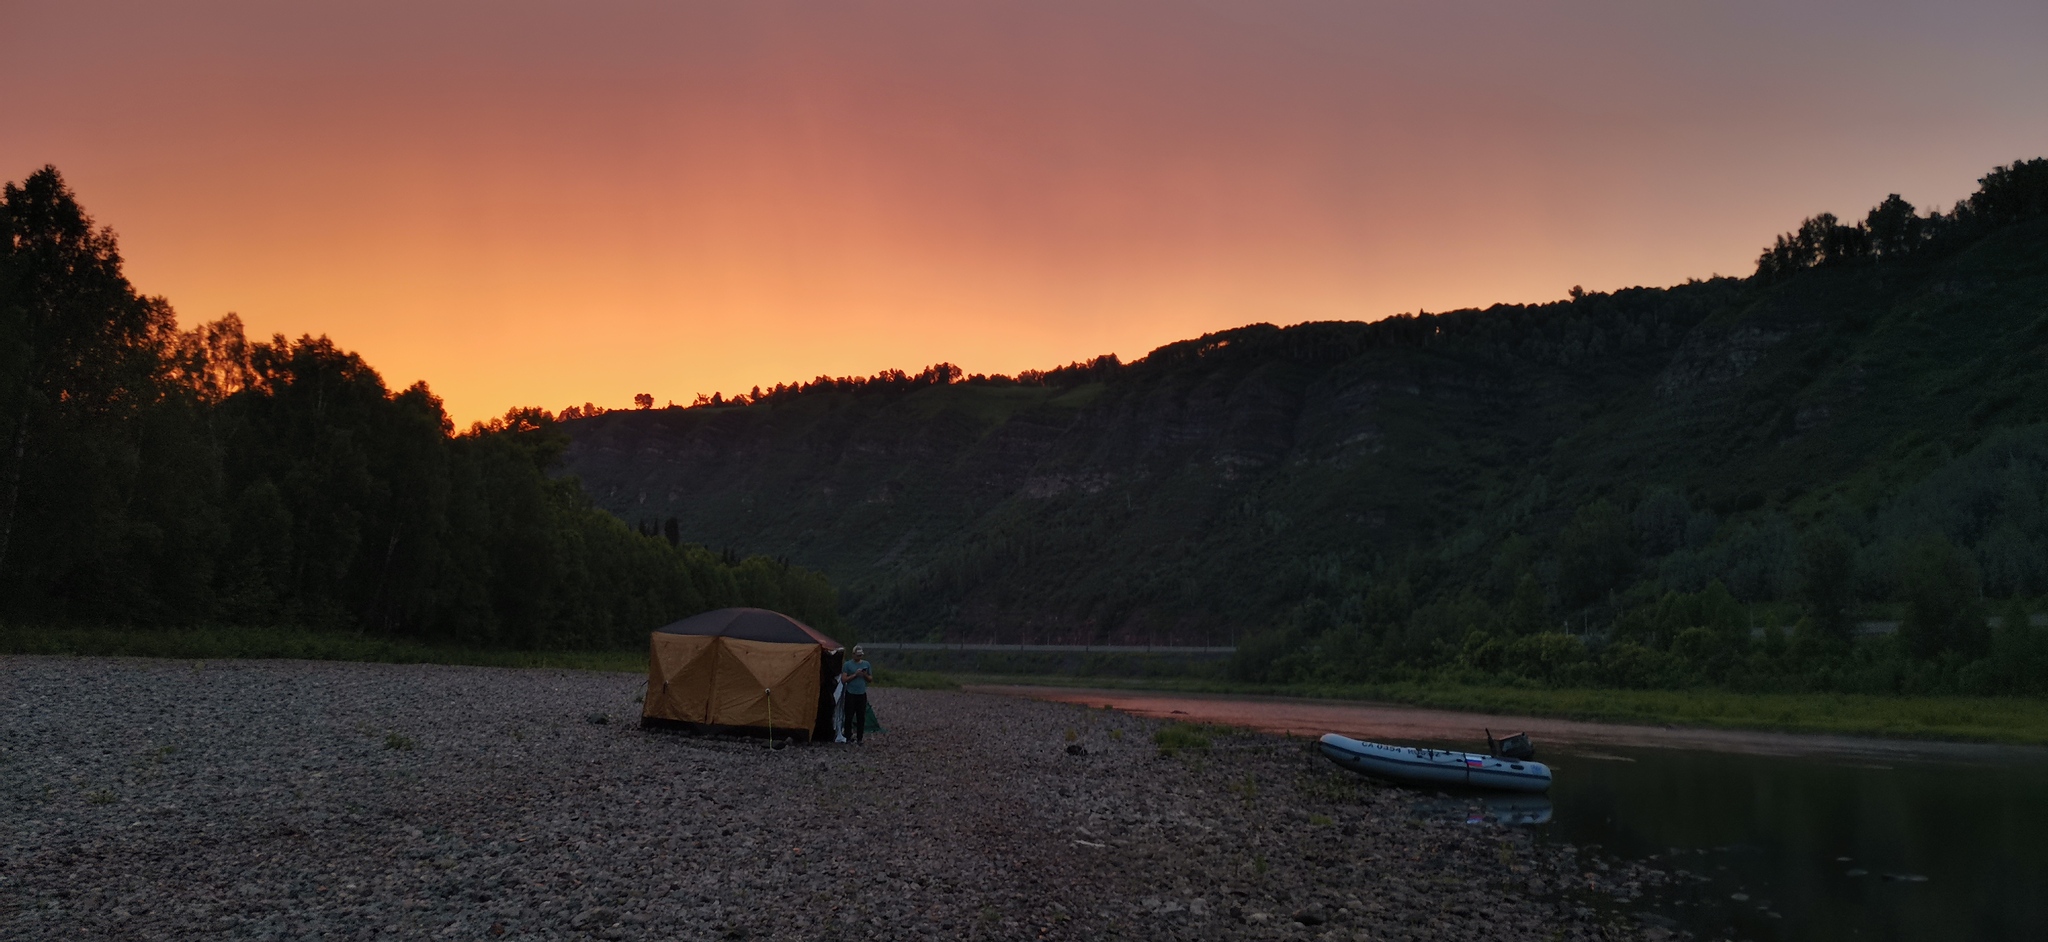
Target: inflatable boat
{"x": 1438, "y": 767}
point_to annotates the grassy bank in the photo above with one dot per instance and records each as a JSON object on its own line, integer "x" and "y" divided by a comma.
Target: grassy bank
{"x": 2013, "y": 720}
{"x": 2021, "y": 721}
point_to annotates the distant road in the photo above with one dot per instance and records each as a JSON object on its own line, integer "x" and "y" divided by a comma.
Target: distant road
{"x": 1055, "y": 648}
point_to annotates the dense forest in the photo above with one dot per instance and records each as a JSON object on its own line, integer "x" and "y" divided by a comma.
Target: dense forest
{"x": 162, "y": 477}
{"x": 1829, "y": 475}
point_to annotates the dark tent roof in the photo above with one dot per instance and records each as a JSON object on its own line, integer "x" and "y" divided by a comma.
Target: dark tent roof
{"x": 751, "y": 624}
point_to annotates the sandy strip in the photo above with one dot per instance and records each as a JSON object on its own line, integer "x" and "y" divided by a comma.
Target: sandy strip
{"x": 1383, "y": 722}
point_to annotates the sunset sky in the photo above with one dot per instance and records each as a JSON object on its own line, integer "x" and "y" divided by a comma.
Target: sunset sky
{"x": 546, "y": 203}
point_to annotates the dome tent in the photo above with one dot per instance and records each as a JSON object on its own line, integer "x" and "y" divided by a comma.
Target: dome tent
{"x": 746, "y": 669}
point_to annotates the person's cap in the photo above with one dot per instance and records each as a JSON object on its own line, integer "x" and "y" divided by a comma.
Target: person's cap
{"x": 858, "y": 650}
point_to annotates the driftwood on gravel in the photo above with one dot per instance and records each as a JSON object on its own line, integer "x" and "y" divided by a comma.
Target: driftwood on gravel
{"x": 167, "y": 799}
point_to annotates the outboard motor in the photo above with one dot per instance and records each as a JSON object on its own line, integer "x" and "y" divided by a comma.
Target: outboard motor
{"x": 1516, "y": 746}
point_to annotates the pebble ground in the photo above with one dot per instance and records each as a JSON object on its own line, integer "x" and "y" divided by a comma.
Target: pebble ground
{"x": 151, "y": 799}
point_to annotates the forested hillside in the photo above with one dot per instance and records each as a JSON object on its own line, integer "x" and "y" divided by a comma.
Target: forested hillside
{"x": 163, "y": 477}
{"x": 1616, "y": 488}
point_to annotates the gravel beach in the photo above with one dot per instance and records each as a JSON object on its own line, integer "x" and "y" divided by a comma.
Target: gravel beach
{"x": 151, "y": 799}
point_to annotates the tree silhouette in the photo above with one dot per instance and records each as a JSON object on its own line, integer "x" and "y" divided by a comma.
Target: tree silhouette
{"x": 1593, "y": 554}
{"x": 1894, "y": 228}
{"x": 1941, "y": 601}
{"x": 83, "y": 333}
{"x": 164, "y": 477}
{"x": 1827, "y": 577}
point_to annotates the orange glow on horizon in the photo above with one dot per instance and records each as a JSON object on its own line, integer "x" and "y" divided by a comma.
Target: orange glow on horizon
{"x": 543, "y": 203}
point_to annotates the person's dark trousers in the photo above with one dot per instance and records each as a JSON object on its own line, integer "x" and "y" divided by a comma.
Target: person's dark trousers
{"x": 856, "y": 716}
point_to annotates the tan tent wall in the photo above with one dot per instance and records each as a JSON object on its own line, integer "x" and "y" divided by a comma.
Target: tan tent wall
{"x": 721, "y": 681}
{"x": 679, "y": 677}
{"x": 745, "y": 667}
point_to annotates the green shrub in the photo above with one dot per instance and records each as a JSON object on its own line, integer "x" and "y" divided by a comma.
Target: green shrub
{"x": 1173, "y": 738}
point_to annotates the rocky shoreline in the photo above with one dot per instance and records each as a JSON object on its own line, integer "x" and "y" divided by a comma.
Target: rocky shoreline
{"x": 155, "y": 799}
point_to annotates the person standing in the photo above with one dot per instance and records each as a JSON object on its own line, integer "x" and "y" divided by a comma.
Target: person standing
{"x": 855, "y": 674}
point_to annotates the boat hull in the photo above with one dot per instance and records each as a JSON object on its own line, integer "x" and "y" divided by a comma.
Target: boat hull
{"x": 1411, "y": 766}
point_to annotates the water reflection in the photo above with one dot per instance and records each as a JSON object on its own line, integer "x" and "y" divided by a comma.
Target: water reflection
{"x": 1769, "y": 847}
{"x": 1766, "y": 836}
{"x": 1513, "y": 810}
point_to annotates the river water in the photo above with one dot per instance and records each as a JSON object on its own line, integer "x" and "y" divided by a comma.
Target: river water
{"x": 1780, "y": 836}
